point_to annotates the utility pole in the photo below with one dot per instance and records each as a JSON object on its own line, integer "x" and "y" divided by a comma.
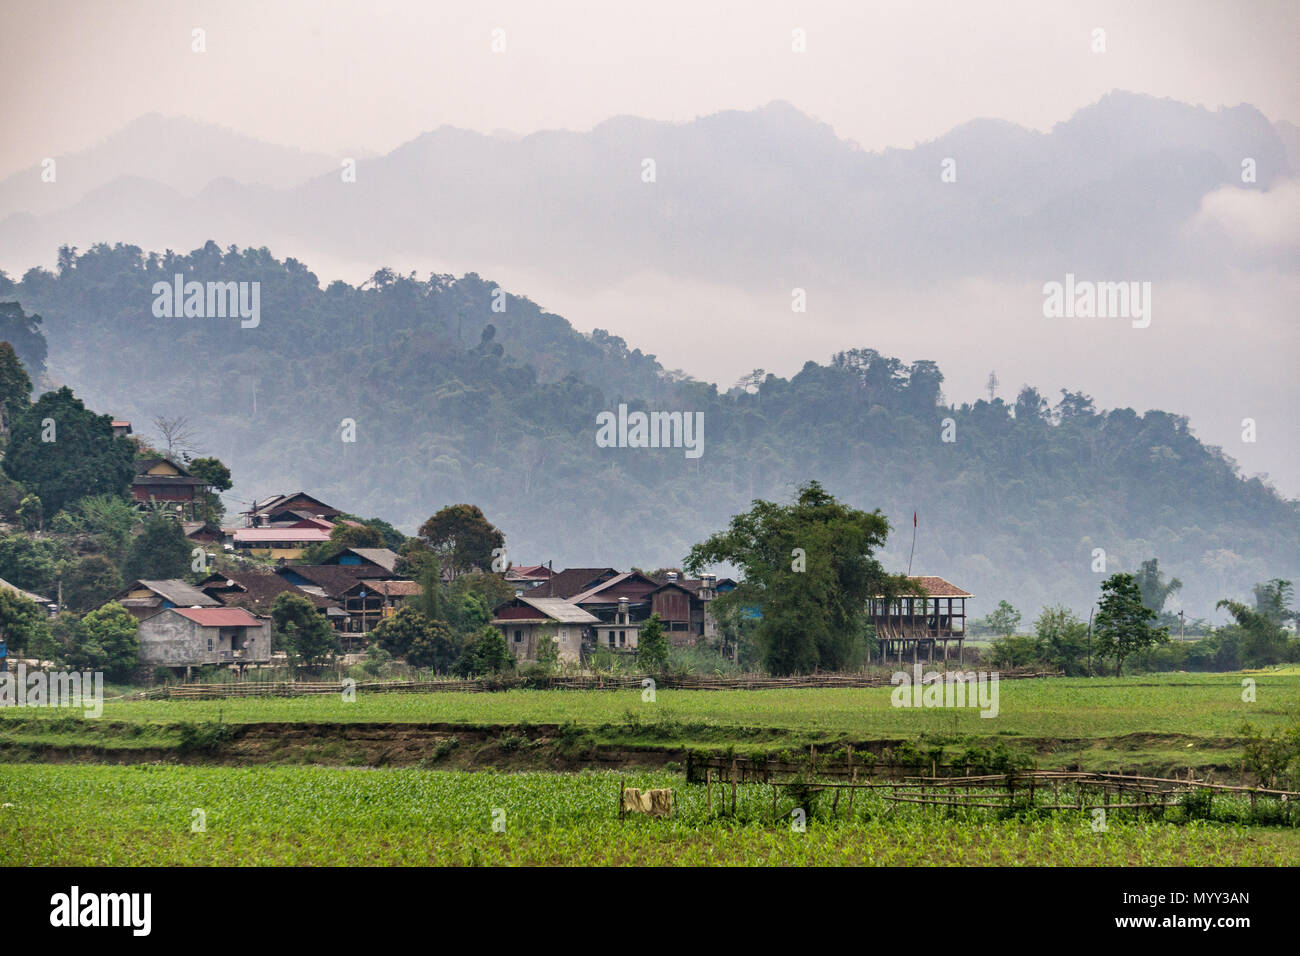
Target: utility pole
{"x": 1090, "y": 613}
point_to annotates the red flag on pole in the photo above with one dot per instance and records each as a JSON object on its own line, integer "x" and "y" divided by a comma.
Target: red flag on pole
{"x": 913, "y": 519}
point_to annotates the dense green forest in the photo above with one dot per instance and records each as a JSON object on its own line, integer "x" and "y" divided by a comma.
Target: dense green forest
{"x": 454, "y": 400}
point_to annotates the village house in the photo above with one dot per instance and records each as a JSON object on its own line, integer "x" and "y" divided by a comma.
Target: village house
{"x": 257, "y": 589}
{"x": 346, "y": 586}
{"x": 288, "y": 510}
{"x": 162, "y": 480}
{"x": 618, "y": 605}
{"x": 277, "y": 543}
{"x": 911, "y": 625}
{"x": 143, "y": 599}
{"x": 381, "y": 559}
{"x": 527, "y": 621}
{"x": 45, "y": 604}
{"x": 528, "y": 576}
{"x": 192, "y": 637}
{"x": 371, "y": 600}
{"x": 203, "y": 531}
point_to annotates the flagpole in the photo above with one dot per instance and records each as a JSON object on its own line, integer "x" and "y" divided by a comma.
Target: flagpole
{"x": 913, "y": 551}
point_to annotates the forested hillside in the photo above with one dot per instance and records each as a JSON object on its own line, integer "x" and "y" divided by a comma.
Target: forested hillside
{"x": 456, "y": 402}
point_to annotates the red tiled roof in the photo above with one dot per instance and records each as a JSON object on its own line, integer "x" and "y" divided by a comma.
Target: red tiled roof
{"x": 938, "y": 587}
{"x": 219, "y": 616}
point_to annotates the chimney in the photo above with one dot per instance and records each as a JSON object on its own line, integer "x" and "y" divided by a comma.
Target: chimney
{"x": 622, "y": 612}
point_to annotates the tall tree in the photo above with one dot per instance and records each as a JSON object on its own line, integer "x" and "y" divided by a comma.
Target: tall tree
{"x": 461, "y": 538}
{"x": 1155, "y": 589}
{"x": 15, "y": 388}
{"x": 62, "y": 451}
{"x": 1124, "y": 623}
{"x": 1273, "y": 600}
{"x": 24, "y": 333}
{"x": 178, "y": 437}
{"x": 160, "y": 551}
{"x": 217, "y": 475}
{"x": 652, "y": 645}
{"x": 22, "y": 621}
{"x": 809, "y": 567}
{"x": 302, "y": 630}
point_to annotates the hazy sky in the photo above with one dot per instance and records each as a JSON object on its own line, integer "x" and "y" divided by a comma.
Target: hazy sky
{"x": 354, "y": 79}
{"x": 339, "y": 77}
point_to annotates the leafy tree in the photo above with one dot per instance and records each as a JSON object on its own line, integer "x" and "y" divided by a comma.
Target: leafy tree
{"x": 30, "y": 513}
{"x": 1002, "y": 620}
{"x": 84, "y": 457}
{"x": 105, "y": 639}
{"x": 33, "y": 564}
{"x": 1155, "y": 589}
{"x": 434, "y": 646}
{"x": 90, "y": 582}
{"x": 461, "y": 538}
{"x": 110, "y": 519}
{"x": 652, "y": 645}
{"x": 160, "y": 551}
{"x": 423, "y": 641}
{"x": 1262, "y": 640}
{"x": 303, "y": 630}
{"x": 1016, "y": 650}
{"x": 22, "y": 621}
{"x": 217, "y": 476}
{"x": 485, "y": 653}
{"x": 809, "y": 567}
{"x": 1123, "y": 622}
{"x": 23, "y": 332}
{"x": 342, "y": 536}
{"x": 15, "y": 387}
{"x": 1062, "y": 639}
{"x": 1273, "y": 600}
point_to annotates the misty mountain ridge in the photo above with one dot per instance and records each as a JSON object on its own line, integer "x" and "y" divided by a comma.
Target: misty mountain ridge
{"x": 739, "y": 196}
{"x": 454, "y": 401}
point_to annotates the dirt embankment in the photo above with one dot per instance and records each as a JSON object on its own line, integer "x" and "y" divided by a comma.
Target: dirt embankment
{"x": 532, "y": 747}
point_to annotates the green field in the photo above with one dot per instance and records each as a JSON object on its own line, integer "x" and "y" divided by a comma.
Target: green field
{"x": 1167, "y": 722}
{"x": 94, "y": 815}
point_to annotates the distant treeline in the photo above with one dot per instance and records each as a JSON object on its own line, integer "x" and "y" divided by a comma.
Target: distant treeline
{"x": 454, "y": 400}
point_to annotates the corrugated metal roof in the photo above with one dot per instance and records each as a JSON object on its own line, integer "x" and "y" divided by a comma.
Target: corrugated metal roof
{"x": 558, "y": 609}
{"x": 300, "y": 535}
{"x": 178, "y": 592}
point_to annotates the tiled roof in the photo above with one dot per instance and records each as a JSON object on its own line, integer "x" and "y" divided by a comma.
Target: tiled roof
{"x": 571, "y": 581}
{"x": 219, "y": 616}
{"x": 332, "y": 579}
{"x": 935, "y": 586}
{"x": 257, "y": 589}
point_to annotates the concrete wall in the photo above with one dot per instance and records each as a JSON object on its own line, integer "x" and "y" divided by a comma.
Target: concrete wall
{"x": 174, "y": 640}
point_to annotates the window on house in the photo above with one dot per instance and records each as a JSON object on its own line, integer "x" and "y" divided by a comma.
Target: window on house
{"x": 622, "y": 638}
{"x": 209, "y": 643}
{"x": 519, "y": 637}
